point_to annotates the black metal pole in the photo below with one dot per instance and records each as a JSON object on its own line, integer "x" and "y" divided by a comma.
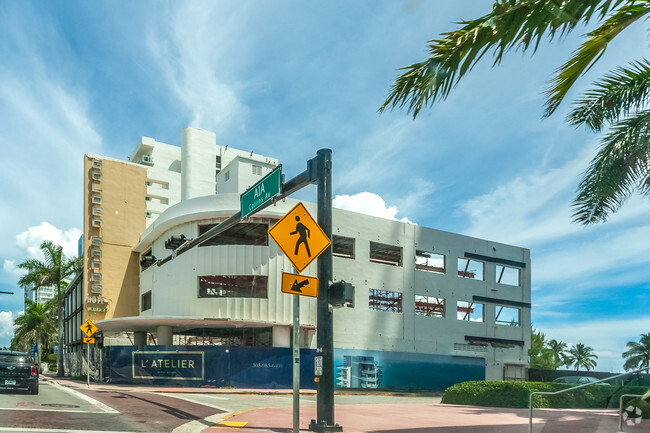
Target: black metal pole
{"x": 325, "y": 326}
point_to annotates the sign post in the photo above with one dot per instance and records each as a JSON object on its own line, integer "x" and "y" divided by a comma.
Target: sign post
{"x": 89, "y": 329}
{"x": 296, "y": 364}
{"x": 324, "y": 421}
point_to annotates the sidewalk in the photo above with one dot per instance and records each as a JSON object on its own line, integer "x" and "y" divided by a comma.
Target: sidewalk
{"x": 421, "y": 418}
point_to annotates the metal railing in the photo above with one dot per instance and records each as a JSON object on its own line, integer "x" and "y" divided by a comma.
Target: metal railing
{"x": 530, "y": 398}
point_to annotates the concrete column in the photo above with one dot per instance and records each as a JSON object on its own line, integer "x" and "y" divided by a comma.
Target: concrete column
{"x": 165, "y": 335}
{"x": 198, "y": 152}
{"x": 139, "y": 338}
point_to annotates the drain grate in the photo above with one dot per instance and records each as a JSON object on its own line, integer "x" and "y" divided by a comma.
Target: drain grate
{"x": 59, "y": 405}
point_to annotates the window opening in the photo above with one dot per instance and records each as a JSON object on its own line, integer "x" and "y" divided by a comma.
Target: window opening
{"x": 386, "y": 254}
{"x": 227, "y": 176}
{"x": 146, "y": 301}
{"x": 342, "y": 247}
{"x": 508, "y": 316}
{"x": 257, "y": 169}
{"x": 468, "y": 268}
{"x": 233, "y": 286}
{"x": 218, "y": 163}
{"x": 430, "y": 306}
{"x": 239, "y": 234}
{"x": 385, "y": 300}
{"x": 429, "y": 261}
{"x": 469, "y": 311}
{"x": 507, "y": 275}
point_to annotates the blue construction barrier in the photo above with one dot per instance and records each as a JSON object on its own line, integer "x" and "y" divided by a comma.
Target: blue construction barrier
{"x": 271, "y": 368}
{"x": 209, "y": 366}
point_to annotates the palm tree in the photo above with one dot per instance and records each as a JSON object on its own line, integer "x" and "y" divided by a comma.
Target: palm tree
{"x": 558, "y": 349}
{"x": 540, "y": 356}
{"x": 582, "y": 356}
{"x": 54, "y": 271}
{"x": 639, "y": 354}
{"x": 618, "y": 100}
{"x": 36, "y": 325}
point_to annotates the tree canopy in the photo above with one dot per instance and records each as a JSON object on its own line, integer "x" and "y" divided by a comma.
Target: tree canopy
{"x": 638, "y": 355}
{"x": 54, "y": 271}
{"x": 618, "y": 101}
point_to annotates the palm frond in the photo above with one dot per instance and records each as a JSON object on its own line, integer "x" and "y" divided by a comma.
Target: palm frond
{"x": 590, "y": 51}
{"x": 621, "y": 166}
{"x": 511, "y": 24}
{"x": 616, "y": 95}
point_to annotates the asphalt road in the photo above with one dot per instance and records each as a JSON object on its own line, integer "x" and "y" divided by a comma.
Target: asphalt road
{"x": 66, "y": 409}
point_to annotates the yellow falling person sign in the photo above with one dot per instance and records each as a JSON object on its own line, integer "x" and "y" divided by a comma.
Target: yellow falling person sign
{"x": 299, "y": 237}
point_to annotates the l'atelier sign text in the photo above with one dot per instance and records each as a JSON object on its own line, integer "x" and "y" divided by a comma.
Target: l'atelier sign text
{"x": 168, "y": 365}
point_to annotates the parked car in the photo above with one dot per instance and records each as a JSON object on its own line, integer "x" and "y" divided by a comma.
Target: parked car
{"x": 18, "y": 371}
{"x": 579, "y": 380}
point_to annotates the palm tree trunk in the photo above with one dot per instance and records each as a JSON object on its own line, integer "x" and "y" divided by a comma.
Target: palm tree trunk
{"x": 59, "y": 368}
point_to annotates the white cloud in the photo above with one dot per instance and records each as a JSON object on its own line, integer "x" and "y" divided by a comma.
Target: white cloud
{"x": 534, "y": 207}
{"x": 31, "y": 239}
{"x": 367, "y": 203}
{"x": 192, "y": 50}
{"x": 606, "y": 336}
{"x": 9, "y": 266}
{"x": 7, "y": 324}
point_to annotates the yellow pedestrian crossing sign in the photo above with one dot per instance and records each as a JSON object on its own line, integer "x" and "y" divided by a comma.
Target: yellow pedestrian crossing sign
{"x": 299, "y": 237}
{"x": 294, "y": 284}
{"x": 88, "y": 328}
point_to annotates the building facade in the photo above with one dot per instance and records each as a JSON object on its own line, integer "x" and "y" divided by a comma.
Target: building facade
{"x": 425, "y": 300}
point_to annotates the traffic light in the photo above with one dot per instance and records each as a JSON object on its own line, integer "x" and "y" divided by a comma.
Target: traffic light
{"x": 341, "y": 294}
{"x": 147, "y": 261}
{"x": 174, "y": 242}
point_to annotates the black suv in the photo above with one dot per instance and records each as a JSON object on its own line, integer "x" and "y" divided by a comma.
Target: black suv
{"x": 18, "y": 371}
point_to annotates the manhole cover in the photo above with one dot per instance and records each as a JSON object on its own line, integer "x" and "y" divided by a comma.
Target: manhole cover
{"x": 59, "y": 405}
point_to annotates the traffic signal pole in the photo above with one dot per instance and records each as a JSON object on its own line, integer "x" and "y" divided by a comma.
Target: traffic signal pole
{"x": 321, "y": 170}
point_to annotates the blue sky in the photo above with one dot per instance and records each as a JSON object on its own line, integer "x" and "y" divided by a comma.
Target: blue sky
{"x": 285, "y": 78}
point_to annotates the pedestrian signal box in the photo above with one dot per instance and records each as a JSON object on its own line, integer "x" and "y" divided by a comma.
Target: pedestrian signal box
{"x": 299, "y": 237}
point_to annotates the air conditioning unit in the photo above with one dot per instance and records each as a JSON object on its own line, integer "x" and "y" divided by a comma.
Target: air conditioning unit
{"x": 147, "y": 159}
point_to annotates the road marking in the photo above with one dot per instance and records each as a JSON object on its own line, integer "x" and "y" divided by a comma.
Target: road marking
{"x": 231, "y": 424}
{"x": 92, "y": 401}
{"x": 193, "y": 400}
{"x": 50, "y": 410}
{"x": 52, "y": 430}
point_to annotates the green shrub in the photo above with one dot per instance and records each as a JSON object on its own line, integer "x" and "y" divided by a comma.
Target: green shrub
{"x": 516, "y": 395}
{"x": 51, "y": 358}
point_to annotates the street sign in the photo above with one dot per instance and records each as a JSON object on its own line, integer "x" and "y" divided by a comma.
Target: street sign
{"x": 299, "y": 237}
{"x": 88, "y": 328}
{"x": 89, "y": 340}
{"x": 294, "y": 284}
{"x": 260, "y": 193}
